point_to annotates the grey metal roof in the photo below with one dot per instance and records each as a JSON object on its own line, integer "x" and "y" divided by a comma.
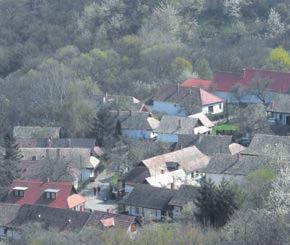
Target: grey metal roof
{"x": 269, "y": 145}
{"x": 280, "y": 103}
{"x": 55, "y": 218}
{"x": 146, "y": 196}
{"x": 185, "y": 195}
{"x": 177, "y": 125}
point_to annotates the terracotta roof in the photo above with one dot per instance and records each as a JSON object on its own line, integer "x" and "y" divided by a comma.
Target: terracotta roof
{"x": 35, "y": 193}
{"x": 74, "y": 200}
{"x": 196, "y": 83}
{"x": 120, "y": 220}
{"x": 177, "y": 94}
{"x": 208, "y": 98}
{"x": 280, "y": 81}
{"x": 224, "y": 81}
{"x": 189, "y": 159}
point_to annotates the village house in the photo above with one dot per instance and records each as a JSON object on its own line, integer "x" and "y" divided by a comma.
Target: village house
{"x": 207, "y": 144}
{"x": 103, "y": 220}
{"x": 36, "y": 132}
{"x": 186, "y": 195}
{"x": 51, "y": 194}
{"x": 224, "y": 82}
{"x": 197, "y": 83}
{"x": 279, "y": 110}
{"x": 82, "y": 161}
{"x": 236, "y": 167}
{"x": 155, "y": 203}
{"x": 136, "y": 125}
{"x": 188, "y": 159}
{"x": 147, "y": 201}
{"x": 13, "y": 217}
{"x": 172, "y": 180}
{"x": 175, "y": 100}
{"x": 172, "y": 126}
{"x": 122, "y": 103}
{"x": 269, "y": 145}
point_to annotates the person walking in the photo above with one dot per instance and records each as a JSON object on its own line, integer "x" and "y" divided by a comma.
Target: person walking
{"x": 95, "y": 192}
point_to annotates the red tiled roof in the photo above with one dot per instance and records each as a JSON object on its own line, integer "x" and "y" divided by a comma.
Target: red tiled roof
{"x": 35, "y": 193}
{"x": 208, "y": 98}
{"x": 224, "y": 81}
{"x": 173, "y": 93}
{"x": 196, "y": 83}
{"x": 280, "y": 80}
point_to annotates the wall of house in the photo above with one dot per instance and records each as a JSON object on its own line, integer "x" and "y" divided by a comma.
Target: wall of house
{"x": 167, "y": 137}
{"x": 147, "y": 213}
{"x": 280, "y": 118}
{"x": 80, "y": 207}
{"x": 168, "y": 108}
{"x": 136, "y": 134}
{"x": 217, "y": 178}
{"x": 217, "y": 108}
{"x": 176, "y": 211}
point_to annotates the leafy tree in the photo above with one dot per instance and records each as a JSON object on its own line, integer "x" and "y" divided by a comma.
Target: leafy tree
{"x": 181, "y": 65}
{"x": 203, "y": 69}
{"x": 215, "y": 204}
{"x": 279, "y": 59}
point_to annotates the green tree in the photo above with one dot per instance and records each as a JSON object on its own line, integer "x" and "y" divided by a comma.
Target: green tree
{"x": 215, "y": 204}
{"x": 279, "y": 59}
{"x": 203, "y": 69}
{"x": 102, "y": 127}
{"x": 181, "y": 65}
{"x": 12, "y": 151}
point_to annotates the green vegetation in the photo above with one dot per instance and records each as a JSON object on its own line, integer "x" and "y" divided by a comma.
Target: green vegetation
{"x": 225, "y": 129}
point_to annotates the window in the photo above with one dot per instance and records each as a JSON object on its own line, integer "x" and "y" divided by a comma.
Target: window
{"x": 33, "y": 158}
{"x": 210, "y": 109}
{"x": 137, "y": 210}
{"x": 19, "y": 193}
{"x": 50, "y": 195}
{"x": 220, "y": 106}
{"x": 280, "y": 116}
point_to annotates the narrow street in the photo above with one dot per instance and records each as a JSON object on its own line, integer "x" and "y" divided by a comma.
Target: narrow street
{"x": 99, "y": 202}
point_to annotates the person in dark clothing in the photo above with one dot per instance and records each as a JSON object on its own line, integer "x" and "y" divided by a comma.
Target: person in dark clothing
{"x": 95, "y": 191}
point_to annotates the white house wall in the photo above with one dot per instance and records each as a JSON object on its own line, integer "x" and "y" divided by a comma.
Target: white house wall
{"x": 217, "y": 108}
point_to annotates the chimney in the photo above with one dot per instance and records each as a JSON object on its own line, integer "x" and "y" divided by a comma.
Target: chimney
{"x": 244, "y": 72}
{"x": 130, "y": 113}
{"x": 47, "y": 153}
{"x": 178, "y": 88}
{"x": 172, "y": 186}
{"x": 118, "y": 112}
{"x": 162, "y": 171}
{"x": 238, "y": 157}
{"x": 179, "y": 123}
{"x": 48, "y": 180}
{"x": 180, "y": 146}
